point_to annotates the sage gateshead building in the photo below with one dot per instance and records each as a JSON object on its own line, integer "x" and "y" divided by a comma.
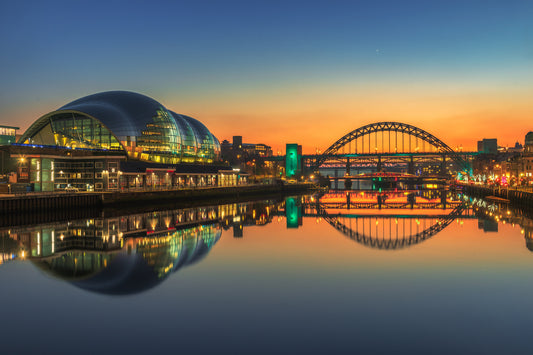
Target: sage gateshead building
{"x": 119, "y": 140}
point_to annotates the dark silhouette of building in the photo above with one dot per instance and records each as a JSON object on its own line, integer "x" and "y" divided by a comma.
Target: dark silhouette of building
{"x": 249, "y": 157}
{"x": 488, "y": 146}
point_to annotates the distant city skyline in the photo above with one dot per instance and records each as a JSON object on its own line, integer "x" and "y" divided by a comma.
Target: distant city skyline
{"x": 281, "y": 72}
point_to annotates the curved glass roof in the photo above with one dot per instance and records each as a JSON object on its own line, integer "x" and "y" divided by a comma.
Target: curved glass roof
{"x": 199, "y": 135}
{"x": 124, "y": 113}
{"x": 140, "y": 125}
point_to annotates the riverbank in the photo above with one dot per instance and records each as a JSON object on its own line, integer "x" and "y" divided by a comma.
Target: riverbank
{"x": 44, "y": 202}
{"x": 519, "y": 198}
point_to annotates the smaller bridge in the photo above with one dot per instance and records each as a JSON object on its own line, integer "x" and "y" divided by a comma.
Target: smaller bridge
{"x": 389, "y": 199}
{"x": 387, "y": 180}
{"x": 385, "y": 160}
{"x": 386, "y": 205}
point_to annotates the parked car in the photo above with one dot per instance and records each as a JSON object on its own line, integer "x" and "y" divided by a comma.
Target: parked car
{"x": 71, "y": 189}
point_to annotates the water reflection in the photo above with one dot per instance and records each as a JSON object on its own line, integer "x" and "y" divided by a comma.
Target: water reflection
{"x": 392, "y": 232}
{"x": 397, "y": 219}
{"x": 141, "y": 264}
{"x": 491, "y": 213}
{"x": 129, "y": 253}
{"x": 389, "y": 220}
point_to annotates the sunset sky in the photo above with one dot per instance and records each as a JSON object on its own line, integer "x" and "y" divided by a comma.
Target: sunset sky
{"x": 279, "y": 72}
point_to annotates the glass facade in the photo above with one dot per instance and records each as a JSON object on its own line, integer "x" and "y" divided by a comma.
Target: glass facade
{"x": 135, "y": 124}
{"x": 74, "y": 130}
{"x": 198, "y": 143}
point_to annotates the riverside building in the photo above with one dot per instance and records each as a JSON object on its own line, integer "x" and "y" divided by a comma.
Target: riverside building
{"x": 119, "y": 140}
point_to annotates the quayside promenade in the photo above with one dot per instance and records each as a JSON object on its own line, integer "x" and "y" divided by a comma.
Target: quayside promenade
{"x": 35, "y": 202}
{"x": 516, "y": 196}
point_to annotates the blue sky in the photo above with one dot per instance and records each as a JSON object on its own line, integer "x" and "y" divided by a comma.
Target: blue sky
{"x": 223, "y": 58}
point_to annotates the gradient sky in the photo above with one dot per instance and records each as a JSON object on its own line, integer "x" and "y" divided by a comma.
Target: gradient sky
{"x": 281, "y": 71}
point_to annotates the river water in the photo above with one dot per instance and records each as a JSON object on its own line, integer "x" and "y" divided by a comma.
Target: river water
{"x": 304, "y": 274}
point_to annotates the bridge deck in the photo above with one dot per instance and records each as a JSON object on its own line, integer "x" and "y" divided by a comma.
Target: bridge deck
{"x": 374, "y": 155}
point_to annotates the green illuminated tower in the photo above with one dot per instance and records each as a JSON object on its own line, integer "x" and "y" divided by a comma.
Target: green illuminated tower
{"x": 293, "y": 160}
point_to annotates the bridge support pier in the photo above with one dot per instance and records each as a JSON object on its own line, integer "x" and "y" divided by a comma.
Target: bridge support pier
{"x": 411, "y": 166}
{"x": 443, "y": 198}
{"x": 348, "y": 166}
{"x": 411, "y": 199}
{"x": 443, "y": 166}
{"x": 348, "y": 200}
{"x": 347, "y": 183}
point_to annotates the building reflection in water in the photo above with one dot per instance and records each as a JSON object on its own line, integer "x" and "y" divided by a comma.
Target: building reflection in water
{"x": 492, "y": 213}
{"x": 129, "y": 253}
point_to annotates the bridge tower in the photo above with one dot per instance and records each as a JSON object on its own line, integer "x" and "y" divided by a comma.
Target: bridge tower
{"x": 443, "y": 198}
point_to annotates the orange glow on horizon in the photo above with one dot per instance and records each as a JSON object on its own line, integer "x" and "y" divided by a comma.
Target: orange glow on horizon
{"x": 316, "y": 119}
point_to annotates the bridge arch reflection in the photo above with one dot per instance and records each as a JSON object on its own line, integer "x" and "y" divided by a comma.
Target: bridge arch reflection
{"x": 391, "y": 232}
{"x": 390, "y": 220}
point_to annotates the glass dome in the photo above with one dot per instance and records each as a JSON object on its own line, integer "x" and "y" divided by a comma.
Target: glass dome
{"x": 125, "y": 121}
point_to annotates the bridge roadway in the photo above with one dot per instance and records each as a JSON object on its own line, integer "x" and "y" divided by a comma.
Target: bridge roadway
{"x": 398, "y": 177}
{"x": 342, "y": 156}
{"x": 386, "y": 205}
{"x": 377, "y": 215}
{"x": 384, "y": 160}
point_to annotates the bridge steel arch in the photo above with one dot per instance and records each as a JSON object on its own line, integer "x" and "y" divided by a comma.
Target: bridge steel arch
{"x": 392, "y": 127}
{"x": 392, "y": 243}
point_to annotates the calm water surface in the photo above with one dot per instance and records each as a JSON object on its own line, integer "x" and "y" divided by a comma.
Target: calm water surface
{"x": 301, "y": 275}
